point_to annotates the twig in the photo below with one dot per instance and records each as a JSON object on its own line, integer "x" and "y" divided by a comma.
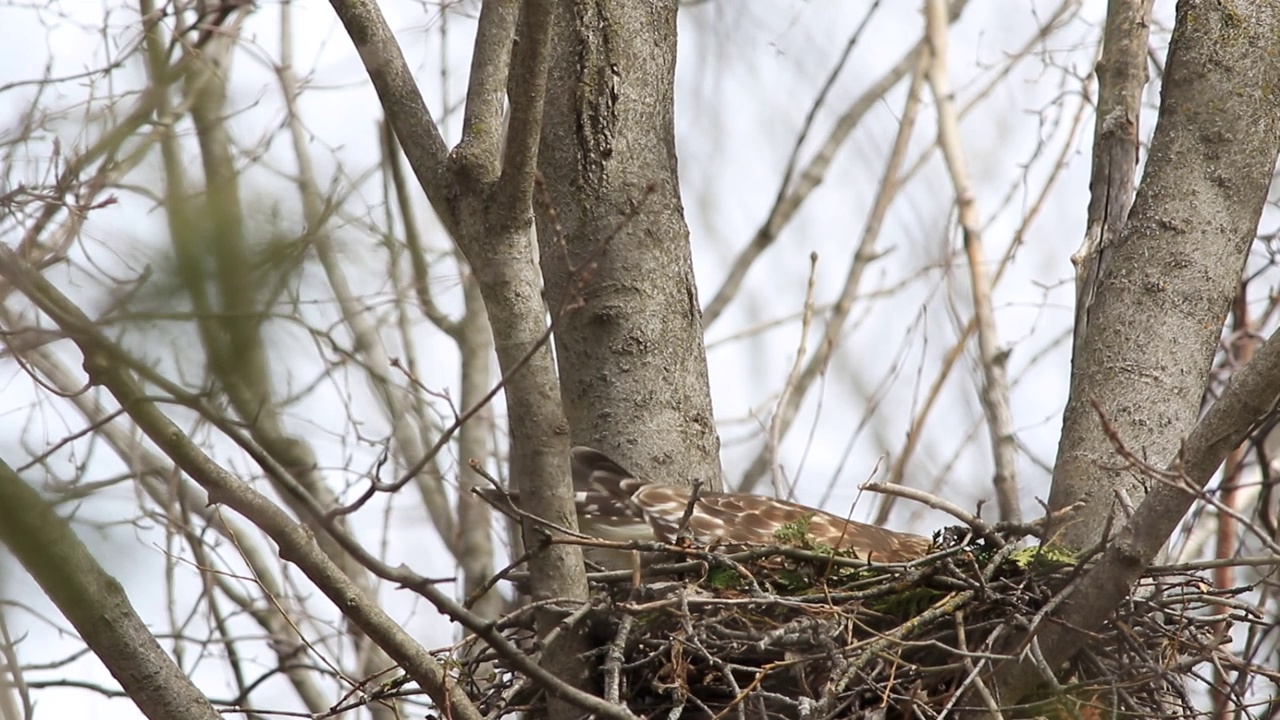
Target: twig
{"x": 980, "y": 526}
{"x": 614, "y": 657}
{"x": 992, "y": 706}
{"x": 776, "y": 426}
{"x": 497, "y": 577}
{"x": 944, "y": 607}
{"x": 106, "y": 364}
{"x": 902, "y": 458}
{"x": 567, "y": 622}
{"x": 792, "y": 196}
{"x": 866, "y": 253}
{"x": 1044, "y": 527}
{"x": 682, "y": 530}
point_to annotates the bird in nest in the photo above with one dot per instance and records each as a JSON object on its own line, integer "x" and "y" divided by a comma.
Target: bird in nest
{"x": 613, "y": 504}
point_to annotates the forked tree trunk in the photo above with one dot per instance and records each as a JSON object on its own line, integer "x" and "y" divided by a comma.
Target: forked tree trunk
{"x": 1165, "y": 285}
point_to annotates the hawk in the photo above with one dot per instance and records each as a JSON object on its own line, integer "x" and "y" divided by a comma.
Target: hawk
{"x": 614, "y": 504}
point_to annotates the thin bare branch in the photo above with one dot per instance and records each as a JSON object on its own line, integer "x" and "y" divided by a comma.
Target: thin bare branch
{"x": 94, "y": 602}
{"x": 897, "y": 470}
{"x": 995, "y": 381}
{"x": 863, "y": 255}
{"x": 781, "y": 488}
{"x": 792, "y": 196}
{"x": 402, "y": 101}
{"x": 296, "y": 543}
{"x": 367, "y": 339}
{"x": 155, "y": 476}
{"x": 413, "y": 235}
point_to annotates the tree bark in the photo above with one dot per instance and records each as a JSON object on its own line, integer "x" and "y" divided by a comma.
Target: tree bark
{"x": 1164, "y": 293}
{"x": 632, "y": 361}
{"x": 1122, "y": 75}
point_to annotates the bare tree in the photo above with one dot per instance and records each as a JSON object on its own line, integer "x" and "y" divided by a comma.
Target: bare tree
{"x": 280, "y": 363}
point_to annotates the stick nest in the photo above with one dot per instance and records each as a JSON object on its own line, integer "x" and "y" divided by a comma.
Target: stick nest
{"x": 797, "y": 633}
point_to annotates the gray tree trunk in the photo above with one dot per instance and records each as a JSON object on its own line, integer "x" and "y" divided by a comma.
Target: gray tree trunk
{"x": 1160, "y": 293}
{"x": 631, "y": 358}
{"x": 1166, "y": 283}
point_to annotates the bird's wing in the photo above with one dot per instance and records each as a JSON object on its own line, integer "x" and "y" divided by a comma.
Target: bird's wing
{"x": 740, "y": 520}
{"x": 613, "y": 503}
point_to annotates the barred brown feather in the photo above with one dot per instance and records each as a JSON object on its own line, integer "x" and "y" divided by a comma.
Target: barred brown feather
{"x": 732, "y": 520}
{"x": 613, "y": 504}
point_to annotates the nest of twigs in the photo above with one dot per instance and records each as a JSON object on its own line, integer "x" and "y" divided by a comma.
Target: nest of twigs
{"x": 798, "y": 633}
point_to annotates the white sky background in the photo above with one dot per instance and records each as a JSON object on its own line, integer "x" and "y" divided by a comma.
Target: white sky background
{"x": 747, "y": 75}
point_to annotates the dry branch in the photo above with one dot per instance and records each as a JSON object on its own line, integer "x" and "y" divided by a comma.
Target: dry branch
{"x": 796, "y": 188}
{"x": 995, "y": 380}
{"x": 402, "y": 101}
{"x": 799, "y": 383}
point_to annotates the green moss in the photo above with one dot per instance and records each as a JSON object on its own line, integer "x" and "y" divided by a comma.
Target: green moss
{"x": 907, "y": 603}
{"x": 646, "y": 621}
{"x": 795, "y": 532}
{"x": 723, "y": 578}
{"x": 1041, "y": 558}
{"x": 794, "y": 580}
